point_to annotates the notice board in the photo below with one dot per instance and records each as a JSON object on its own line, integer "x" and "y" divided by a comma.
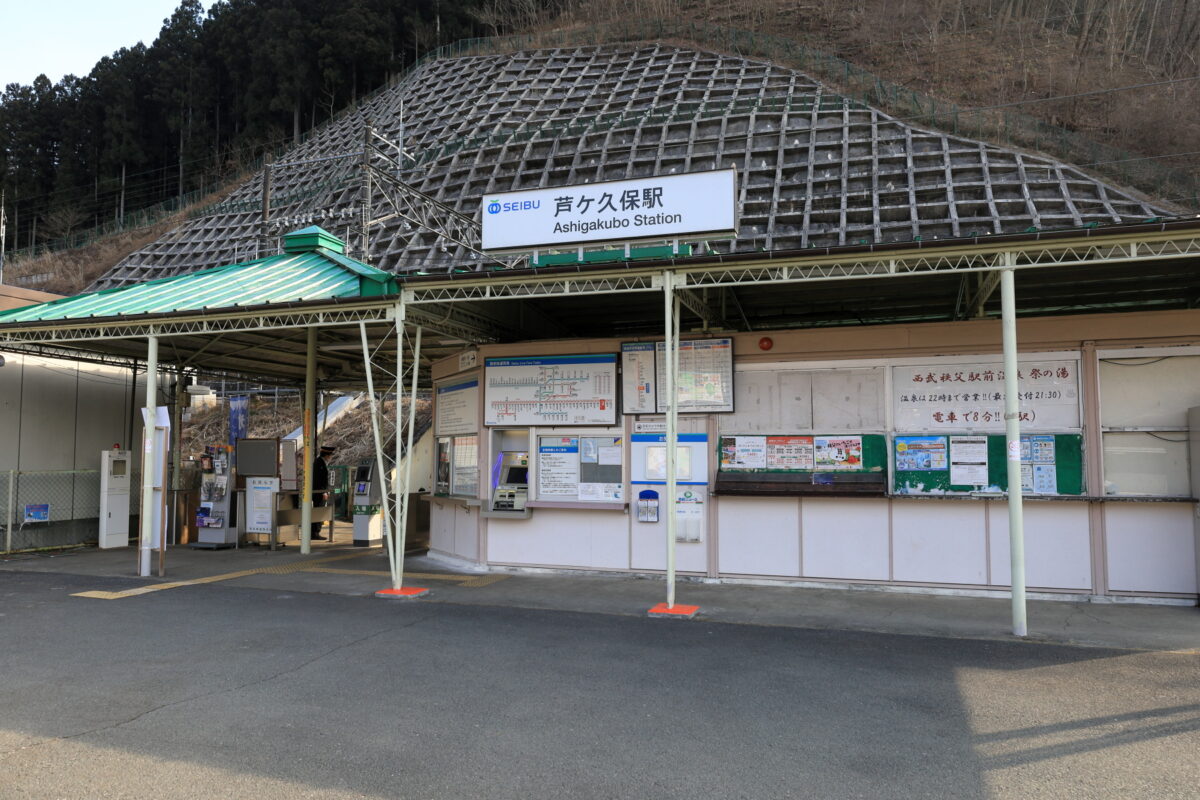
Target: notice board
{"x": 585, "y": 469}
{"x": 1051, "y": 464}
{"x": 803, "y": 454}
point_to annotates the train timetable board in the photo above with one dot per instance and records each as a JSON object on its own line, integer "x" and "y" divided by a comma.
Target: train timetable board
{"x": 551, "y": 390}
{"x": 705, "y": 382}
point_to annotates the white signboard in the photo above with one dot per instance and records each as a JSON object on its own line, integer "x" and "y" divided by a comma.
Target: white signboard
{"x": 551, "y": 390}
{"x": 705, "y": 381}
{"x": 663, "y": 207}
{"x": 970, "y": 397}
{"x": 637, "y": 378}
{"x": 457, "y": 408}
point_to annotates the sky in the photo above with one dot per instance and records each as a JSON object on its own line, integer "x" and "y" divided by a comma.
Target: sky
{"x": 60, "y": 37}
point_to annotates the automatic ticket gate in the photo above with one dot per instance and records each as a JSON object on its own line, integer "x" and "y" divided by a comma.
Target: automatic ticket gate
{"x": 114, "y": 498}
{"x": 368, "y": 521}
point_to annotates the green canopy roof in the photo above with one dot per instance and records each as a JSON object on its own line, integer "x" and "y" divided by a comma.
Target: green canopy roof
{"x": 312, "y": 267}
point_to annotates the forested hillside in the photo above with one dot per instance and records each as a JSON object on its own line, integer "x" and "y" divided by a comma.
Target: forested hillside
{"x": 154, "y": 121}
{"x": 218, "y": 86}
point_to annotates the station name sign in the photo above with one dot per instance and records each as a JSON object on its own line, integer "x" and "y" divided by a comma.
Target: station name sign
{"x": 641, "y": 209}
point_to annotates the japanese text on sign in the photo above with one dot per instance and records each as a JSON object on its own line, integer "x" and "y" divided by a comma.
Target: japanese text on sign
{"x": 971, "y": 396}
{"x": 656, "y": 208}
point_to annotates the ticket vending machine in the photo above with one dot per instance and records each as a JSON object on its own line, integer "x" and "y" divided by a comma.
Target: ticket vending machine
{"x": 368, "y": 521}
{"x": 114, "y": 498}
{"x": 510, "y": 474}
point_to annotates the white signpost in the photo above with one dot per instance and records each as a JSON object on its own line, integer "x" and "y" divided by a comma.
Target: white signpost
{"x": 642, "y": 209}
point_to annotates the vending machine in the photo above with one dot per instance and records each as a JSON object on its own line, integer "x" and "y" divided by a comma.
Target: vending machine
{"x": 114, "y": 498}
{"x": 368, "y": 522}
{"x": 216, "y": 527}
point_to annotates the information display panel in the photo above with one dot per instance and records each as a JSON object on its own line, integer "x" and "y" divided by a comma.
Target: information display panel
{"x": 457, "y": 408}
{"x": 551, "y": 390}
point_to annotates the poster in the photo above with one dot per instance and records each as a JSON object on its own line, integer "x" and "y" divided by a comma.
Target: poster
{"x": 1041, "y": 449}
{"x": 689, "y": 514}
{"x": 837, "y": 452}
{"x": 558, "y": 467}
{"x": 555, "y": 390}
{"x": 1045, "y": 479}
{"x": 37, "y": 512}
{"x": 743, "y": 452}
{"x": 637, "y": 378}
{"x": 920, "y": 453}
{"x": 969, "y": 460}
{"x": 970, "y": 396}
{"x": 1026, "y": 476}
{"x": 790, "y": 453}
{"x": 457, "y": 408}
{"x": 602, "y": 492}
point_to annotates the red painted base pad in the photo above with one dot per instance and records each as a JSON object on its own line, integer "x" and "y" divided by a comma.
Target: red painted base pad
{"x": 676, "y": 611}
{"x": 407, "y": 593}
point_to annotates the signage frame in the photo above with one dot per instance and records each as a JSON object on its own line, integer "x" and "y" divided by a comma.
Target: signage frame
{"x": 720, "y": 232}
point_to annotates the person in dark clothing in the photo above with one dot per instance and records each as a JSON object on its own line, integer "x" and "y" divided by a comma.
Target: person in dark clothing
{"x": 320, "y": 488}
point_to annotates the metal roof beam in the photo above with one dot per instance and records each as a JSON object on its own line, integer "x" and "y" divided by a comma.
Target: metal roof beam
{"x": 692, "y": 303}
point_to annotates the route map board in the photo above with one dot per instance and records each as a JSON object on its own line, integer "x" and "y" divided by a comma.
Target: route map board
{"x": 551, "y": 390}
{"x": 705, "y": 381}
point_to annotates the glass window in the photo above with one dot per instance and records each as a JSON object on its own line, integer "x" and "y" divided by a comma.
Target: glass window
{"x": 1146, "y": 463}
{"x": 464, "y": 477}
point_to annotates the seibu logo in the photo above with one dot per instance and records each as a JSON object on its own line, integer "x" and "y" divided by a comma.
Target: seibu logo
{"x": 495, "y": 207}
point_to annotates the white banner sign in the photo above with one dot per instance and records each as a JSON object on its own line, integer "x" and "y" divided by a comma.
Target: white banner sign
{"x": 971, "y": 396}
{"x": 664, "y": 207}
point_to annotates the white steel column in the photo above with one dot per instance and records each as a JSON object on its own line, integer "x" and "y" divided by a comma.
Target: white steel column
{"x": 149, "y": 460}
{"x": 387, "y": 506}
{"x": 310, "y": 393}
{"x": 671, "y": 314}
{"x": 405, "y": 486}
{"x": 1012, "y": 435}
{"x": 396, "y": 561}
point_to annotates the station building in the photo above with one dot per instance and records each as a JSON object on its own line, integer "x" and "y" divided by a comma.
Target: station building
{"x": 839, "y": 387}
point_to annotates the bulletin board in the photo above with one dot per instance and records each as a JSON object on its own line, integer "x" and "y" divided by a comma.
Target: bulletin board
{"x": 1052, "y": 464}
{"x": 767, "y": 454}
{"x": 584, "y": 469}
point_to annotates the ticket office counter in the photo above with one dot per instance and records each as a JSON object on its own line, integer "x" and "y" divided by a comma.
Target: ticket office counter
{"x": 824, "y": 532}
{"x": 1115, "y": 518}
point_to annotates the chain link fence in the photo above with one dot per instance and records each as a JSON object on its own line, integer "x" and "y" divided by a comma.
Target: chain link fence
{"x": 58, "y": 508}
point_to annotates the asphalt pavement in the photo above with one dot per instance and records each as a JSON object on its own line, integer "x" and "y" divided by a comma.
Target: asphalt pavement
{"x": 217, "y": 690}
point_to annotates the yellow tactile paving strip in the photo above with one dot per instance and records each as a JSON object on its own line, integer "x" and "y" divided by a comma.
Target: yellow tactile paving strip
{"x": 285, "y": 569}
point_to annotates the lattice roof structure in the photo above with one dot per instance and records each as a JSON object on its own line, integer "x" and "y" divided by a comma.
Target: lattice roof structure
{"x": 815, "y": 169}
